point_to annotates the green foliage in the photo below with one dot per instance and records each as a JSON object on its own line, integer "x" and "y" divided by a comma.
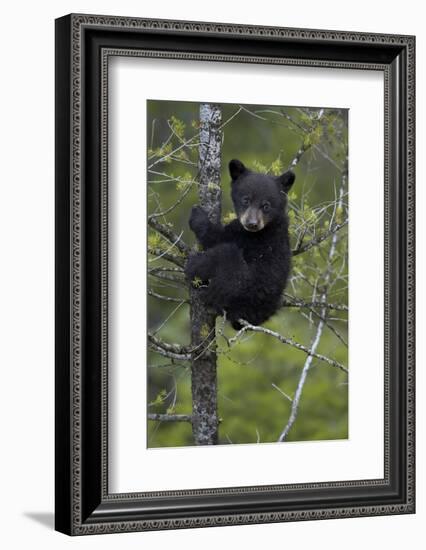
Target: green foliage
{"x": 212, "y": 186}
{"x": 159, "y": 398}
{"x": 204, "y": 332}
{"x": 229, "y": 217}
{"x": 160, "y": 152}
{"x": 259, "y": 167}
{"x": 154, "y": 240}
{"x": 196, "y": 281}
{"x": 277, "y": 167}
{"x": 178, "y": 126}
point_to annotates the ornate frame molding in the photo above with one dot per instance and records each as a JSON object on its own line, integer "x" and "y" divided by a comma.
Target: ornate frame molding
{"x": 86, "y": 507}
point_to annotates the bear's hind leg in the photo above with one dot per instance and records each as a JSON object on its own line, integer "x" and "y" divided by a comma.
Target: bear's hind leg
{"x": 230, "y": 278}
{"x": 222, "y": 276}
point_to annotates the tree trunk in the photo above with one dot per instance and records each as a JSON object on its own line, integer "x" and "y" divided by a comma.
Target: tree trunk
{"x": 203, "y": 365}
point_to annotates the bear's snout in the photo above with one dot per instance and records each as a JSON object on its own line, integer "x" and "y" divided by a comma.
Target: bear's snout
{"x": 253, "y": 220}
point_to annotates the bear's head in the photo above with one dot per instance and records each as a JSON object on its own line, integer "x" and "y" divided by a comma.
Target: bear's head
{"x": 259, "y": 199}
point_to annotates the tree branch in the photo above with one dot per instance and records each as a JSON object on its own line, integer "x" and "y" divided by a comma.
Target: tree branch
{"x": 173, "y": 206}
{"x": 173, "y": 351}
{"x": 317, "y": 338}
{"x": 164, "y": 268}
{"x": 172, "y": 153}
{"x": 159, "y": 274}
{"x": 317, "y": 240}
{"x": 166, "y": 298}
{"x": 297, "y": 395}
{"x": 170, "y": 417}
{"x": 168, "y": 234}
{"x": 177, "y": 260}
{"x": 291, "y": 301}
{"x": 285, "y": 340}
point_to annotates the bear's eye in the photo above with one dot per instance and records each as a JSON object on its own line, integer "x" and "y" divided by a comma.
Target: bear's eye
{"x": 266, "y": 207}
{"x": 245, "y": 201}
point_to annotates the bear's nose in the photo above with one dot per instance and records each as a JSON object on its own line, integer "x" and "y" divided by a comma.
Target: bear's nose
{"x": 252, "y": 226}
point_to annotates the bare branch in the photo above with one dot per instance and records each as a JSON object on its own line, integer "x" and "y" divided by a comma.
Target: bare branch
{"x": 311, "y": 306}
{"x": 170, "y": 417}
{"x": 302, "y": 150}
{"x": 297, "y": 395}
{"x": 164, "y": 269}
{"x": 330, "y": 326}
{"x": 305, "y": 144}
{"x": 166, "y": 298}
{"x": 230, "y": 118}
{"x": 174, "y": 205}
{"x": 282, "y": 393}
{"x": 173, "y": 351}
{"x": 170, "y": 354}
{"x": 170, "y": 365}
{"x": 176, "y": 280}
{"x": 284, "y": 340}
{"x": 172, "y": 153}
{"x": 169, "y": 234}
{"x": 291, "y": 301}
{"x": 166, "y": 255}
{"x": 317, "y": 338}
{"x": 317, "y": 240}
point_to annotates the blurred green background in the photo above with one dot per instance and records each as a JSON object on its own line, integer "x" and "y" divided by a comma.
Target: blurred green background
{"x": 251, "y": 374}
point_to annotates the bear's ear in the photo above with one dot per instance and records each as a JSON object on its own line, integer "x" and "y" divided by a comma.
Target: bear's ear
{"x": 286, "y": 180}
{"x": 236, "y": 168}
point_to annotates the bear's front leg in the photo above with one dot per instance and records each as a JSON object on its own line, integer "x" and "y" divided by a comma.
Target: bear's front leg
{"x": 199, "y": 269}
{"x": 208, "y": 234}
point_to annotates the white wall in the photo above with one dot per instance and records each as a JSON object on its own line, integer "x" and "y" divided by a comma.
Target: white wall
{"x": 26, "y": 289}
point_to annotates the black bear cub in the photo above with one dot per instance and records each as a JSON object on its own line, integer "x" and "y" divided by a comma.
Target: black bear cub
{"x": 245, "y": 264}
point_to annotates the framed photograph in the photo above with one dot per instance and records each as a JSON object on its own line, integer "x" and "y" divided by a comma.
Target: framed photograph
{"x": 234, "y": 274}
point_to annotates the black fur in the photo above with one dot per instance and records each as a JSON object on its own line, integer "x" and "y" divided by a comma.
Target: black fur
{"x": 245, "y": 264}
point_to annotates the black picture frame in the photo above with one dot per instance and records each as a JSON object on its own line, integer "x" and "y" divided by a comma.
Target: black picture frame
{"x": 83, "y": 504}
